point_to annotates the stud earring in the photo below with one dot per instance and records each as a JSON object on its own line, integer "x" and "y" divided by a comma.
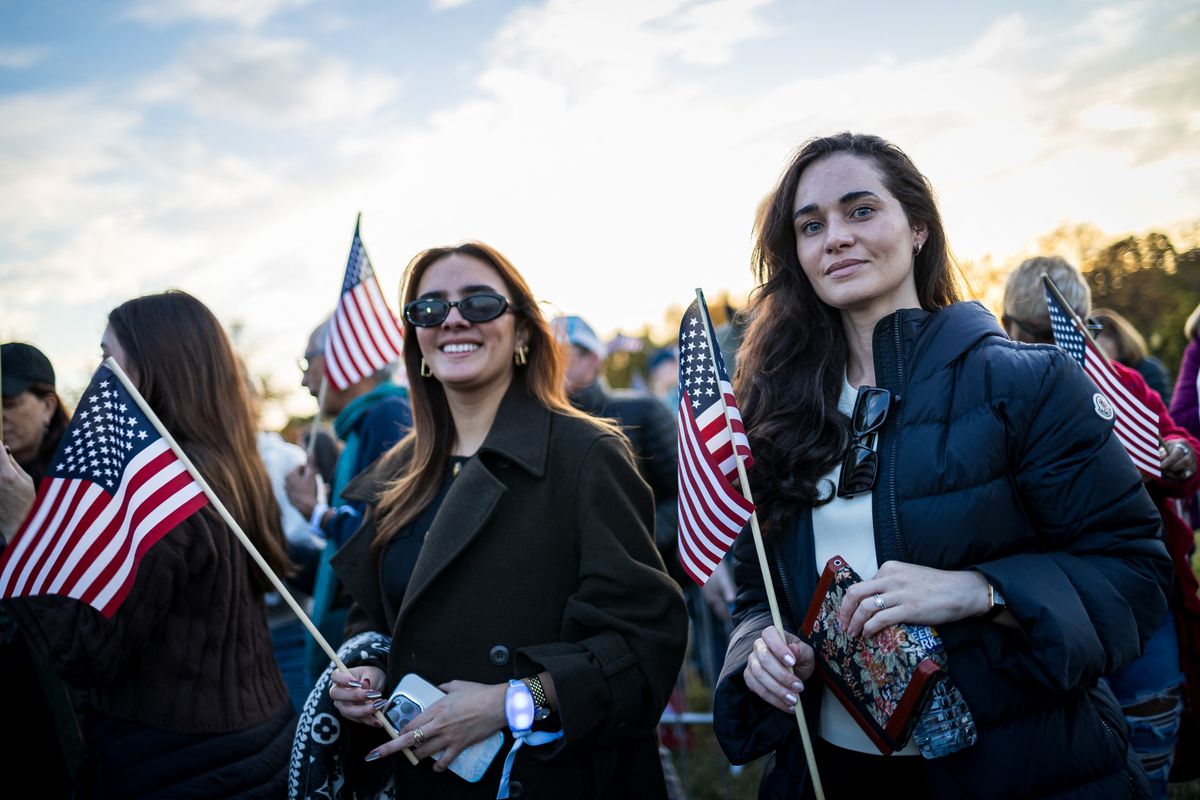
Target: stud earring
{"x": 917, "y": 249}
{"x": 521, "y": 355}
{"x": 426, "y": 372}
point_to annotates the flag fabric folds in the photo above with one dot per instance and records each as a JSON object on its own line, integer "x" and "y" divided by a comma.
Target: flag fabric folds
{"x": 364, "y": 335}
{"x": 1135, "y": 425}
{"x": 711, "y": 510}
{"x": 114, "y": 488}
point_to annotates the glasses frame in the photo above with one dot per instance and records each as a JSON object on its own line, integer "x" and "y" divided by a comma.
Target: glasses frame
{"x": 504, "y": 305}
{"x": 859, "y": 453}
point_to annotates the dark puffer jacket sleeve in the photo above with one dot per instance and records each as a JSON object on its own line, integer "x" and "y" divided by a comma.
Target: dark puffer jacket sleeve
{"x": 624, "y": 630}
{"x": 1095, "y": 593}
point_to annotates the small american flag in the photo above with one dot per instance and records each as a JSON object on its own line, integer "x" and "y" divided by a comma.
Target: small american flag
{"x": 114, "y": 488}
{"x": 364, "y": 335}
{"x": 711, "y": 511}
{"x": 1135, "y": 425}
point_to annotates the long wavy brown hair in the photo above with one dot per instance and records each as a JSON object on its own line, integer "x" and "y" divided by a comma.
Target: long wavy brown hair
{"x": 186, "y": 369}
{"x": 792, "y": 362}
{"x": 425, "y": 451}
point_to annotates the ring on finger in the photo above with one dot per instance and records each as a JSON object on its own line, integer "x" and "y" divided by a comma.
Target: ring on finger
{"x": 879, "y": 604}
{"x": 418, "y": 736}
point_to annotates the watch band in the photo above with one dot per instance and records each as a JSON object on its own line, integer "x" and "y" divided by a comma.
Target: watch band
{"x": 995, "y": 603}
{"x": 540, "y": 701}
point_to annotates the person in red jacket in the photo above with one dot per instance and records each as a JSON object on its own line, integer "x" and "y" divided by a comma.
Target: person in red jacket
{"x": 1162, "y": 686}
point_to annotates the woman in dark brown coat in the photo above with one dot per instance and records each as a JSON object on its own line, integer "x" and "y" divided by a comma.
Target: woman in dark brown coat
{"x": 509, "y": 540}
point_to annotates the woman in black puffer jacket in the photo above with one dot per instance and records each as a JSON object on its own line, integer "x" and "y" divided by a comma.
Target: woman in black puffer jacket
{"x": 1002, "y": 510}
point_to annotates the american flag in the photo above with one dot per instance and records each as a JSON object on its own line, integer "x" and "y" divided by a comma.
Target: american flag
{"x": 114, "y": 488}
{"x": 1135, "y": 425}
{"x": 711, "y": 511}
{"x": 364, "y": 335}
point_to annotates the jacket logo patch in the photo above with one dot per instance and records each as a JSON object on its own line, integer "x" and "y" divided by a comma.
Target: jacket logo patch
{"x": 1104, "y": 408}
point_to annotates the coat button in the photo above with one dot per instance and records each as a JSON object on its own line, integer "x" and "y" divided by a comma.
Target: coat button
{"x": 499, "y": 657}
{"x": 516, "y": 789}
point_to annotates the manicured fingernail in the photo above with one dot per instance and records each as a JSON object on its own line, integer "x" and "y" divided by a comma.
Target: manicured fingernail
{"x": 378, "y": 704}
{"x": 372, "y": 756}
{"x": 790, "y": 660}
{"x": 791, "y": 709}
{"x": 791, "y": 699}
{"x": 374, "y": 695}
{"x": 798, "y": 686}
{"x": 354, "y": 684}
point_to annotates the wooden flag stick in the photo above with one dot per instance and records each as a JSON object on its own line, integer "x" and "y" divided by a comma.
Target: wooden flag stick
{"x": 769, "y": 584}
{"x": 245, "y": 540}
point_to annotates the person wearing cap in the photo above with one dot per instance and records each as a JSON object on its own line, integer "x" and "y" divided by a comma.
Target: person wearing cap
{"x": 34, "y": 420}
{"x": 34, "y": 415}
{"x": 649, "y": 427}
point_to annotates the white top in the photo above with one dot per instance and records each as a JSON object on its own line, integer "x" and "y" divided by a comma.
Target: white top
{"x": 845, "y": 527}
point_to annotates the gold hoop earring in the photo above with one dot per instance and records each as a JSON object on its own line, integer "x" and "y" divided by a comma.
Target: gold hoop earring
{"x": 426, "y": 372}
{"x": 521, "y": 355}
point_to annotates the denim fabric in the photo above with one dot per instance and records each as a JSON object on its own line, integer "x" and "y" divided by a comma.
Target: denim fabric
{"x": 1154, "y": 676}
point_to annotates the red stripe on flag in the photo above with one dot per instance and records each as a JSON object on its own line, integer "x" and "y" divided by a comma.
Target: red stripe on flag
{"x": 711, "y": 511}
{"x": 117, "y": 553}
{"x": 101, "y": 538}
{"x": 387, "y": 321}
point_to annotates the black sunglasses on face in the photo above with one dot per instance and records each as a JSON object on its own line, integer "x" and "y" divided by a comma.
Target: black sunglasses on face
{"x": 860, "y": 467}
{"x": 427, "y": 312}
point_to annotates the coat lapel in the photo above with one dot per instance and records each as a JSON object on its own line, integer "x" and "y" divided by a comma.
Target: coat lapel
{"x": 468, "y": 506}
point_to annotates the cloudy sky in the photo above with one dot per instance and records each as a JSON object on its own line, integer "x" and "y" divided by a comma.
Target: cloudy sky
{"x": 614, "y": 149}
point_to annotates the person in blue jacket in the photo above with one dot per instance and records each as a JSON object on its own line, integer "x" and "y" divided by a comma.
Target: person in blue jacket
{"x": 368, "y": 417}
{"x": 974, "y": 483}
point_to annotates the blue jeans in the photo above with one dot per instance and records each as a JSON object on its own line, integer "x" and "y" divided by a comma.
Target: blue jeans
{"x": 1154, "y": 680}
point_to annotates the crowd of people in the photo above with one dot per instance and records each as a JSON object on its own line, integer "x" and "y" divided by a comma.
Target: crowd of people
{"x": 491, "y": 538}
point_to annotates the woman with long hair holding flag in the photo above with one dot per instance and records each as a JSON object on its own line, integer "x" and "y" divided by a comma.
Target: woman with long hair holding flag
{"x": 182, "y": 695}
{"x": 968, "y": 480}
{"x": 508, "y": 553}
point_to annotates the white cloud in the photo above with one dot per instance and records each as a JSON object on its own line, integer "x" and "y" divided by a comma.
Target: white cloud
{"x": 268, "y": 82}
{"x": 446, "y": 5}
{"x": 246, "y": 13}
{"x": 21, "y": 57}
{"x": 590, "y": 150}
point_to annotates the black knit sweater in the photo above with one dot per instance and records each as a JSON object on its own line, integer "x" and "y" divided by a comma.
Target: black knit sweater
{"x": 187, "y": 651}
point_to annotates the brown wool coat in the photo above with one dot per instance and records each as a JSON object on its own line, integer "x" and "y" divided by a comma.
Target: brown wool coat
{"x": 541, "y": 558}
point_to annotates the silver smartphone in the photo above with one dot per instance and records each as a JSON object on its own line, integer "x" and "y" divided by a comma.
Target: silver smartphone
{"x": 411, "y": 697}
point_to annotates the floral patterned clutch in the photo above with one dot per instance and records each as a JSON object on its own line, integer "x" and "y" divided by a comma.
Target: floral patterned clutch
{"x": 882, "y": 680}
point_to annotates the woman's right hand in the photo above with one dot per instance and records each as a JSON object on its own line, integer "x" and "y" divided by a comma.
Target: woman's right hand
{"x": 357, "y": 702}
{"x": 778, "y": 667}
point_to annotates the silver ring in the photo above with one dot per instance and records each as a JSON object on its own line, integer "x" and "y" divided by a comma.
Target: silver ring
{"x": 1181, "y": 447}
{"x": 879, "y": 604}
{"x": 418, "y": 736}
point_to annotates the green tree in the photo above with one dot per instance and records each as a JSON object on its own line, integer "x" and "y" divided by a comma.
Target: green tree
{"x": 1155, "y": 287}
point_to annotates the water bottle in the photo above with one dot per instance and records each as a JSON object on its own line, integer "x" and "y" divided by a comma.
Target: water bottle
{"x": 946, "y": 725}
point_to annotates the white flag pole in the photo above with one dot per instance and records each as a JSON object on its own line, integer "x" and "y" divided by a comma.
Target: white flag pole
{"x": 776, "y": 619}
{"x": 245, "y": 540}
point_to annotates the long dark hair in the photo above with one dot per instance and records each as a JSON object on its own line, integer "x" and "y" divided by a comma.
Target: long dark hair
{"x": 792, "y": 363}
{"x": 54, "y": 429}
{"x": 187, "y": 371}
{"x": 426, "y": 448}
